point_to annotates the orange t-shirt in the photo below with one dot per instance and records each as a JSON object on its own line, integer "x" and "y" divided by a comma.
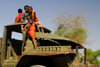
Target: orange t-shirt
{"x": 35, "y": 18}
{"x": 17, "y": 19}
{"x": 32, "y": 27}
{"x": 31, "y": 30}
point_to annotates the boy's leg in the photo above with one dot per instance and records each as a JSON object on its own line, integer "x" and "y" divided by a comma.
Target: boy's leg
{"x": 38, "y": 27}
{"x": 35, "y": 44}
{"x": 42, "y": 29}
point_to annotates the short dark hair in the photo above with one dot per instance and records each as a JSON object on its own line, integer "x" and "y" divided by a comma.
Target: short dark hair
{"x": 30, "y": 7}
{"x": 26, "y": 6}
{"x": 19, "y": 10}
{"x": 29, "y": 16}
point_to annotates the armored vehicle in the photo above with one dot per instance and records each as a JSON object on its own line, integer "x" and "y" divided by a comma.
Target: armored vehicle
{"x": 52, "y": 50}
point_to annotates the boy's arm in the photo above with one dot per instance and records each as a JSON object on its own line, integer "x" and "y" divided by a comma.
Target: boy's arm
{"x": 23, "y": 16}
{"x": 27, "y": 26}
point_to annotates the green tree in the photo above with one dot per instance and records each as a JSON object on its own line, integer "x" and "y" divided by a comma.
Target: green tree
{"x": 96, "y": 55}
{"x": 71, "y": 27}
{"x": 92, "y": 56}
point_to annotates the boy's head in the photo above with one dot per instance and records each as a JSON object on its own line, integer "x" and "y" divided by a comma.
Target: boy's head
{"x": 30, "y": 9}
{"x": 28, "y": 17}
{"x": 19, "y": 10}
{"x": 26, "y": 8}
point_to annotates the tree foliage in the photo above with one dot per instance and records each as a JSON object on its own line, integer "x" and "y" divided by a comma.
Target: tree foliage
{"x": 71, "y": 27}
{"x": 92, "y": 56}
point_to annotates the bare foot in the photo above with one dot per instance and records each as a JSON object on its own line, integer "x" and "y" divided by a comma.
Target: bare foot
{"x": 35, "y": 49}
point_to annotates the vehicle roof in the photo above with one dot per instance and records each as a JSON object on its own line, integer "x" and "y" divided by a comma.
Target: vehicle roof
{"x": 57, "y": 38}
{"x": 17, "y": 27}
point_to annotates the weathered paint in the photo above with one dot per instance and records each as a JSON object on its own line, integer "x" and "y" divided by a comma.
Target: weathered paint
{"x": 50, "y": 46}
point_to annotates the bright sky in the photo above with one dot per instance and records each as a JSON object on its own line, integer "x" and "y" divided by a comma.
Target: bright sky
{"x": 47, "y": 9}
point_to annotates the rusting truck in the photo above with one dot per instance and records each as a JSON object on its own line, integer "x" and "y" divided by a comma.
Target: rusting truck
{"x": 52, "y": 50}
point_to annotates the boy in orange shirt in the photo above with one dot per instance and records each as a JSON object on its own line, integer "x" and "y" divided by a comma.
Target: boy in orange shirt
{"x": 18, "y": 17}
{"x": 35, "y": 19}
{"x": 30, "y": 27}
